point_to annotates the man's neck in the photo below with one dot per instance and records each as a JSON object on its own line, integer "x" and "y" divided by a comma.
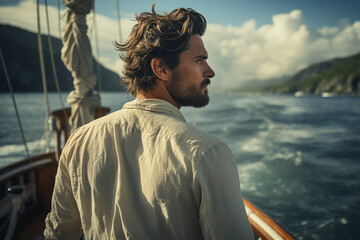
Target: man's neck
{"x": 159, "y": 91}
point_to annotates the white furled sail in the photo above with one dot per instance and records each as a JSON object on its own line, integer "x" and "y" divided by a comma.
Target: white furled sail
{"x": 77, "y": 57}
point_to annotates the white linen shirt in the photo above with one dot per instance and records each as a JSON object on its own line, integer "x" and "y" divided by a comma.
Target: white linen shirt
{"x": 144, "y": 173}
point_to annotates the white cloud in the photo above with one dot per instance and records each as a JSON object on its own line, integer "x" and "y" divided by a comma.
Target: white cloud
{"x": 281, "y": 48}
{"x": 108, "y": 33}
{"x": 236, "y": 53}
{"x": 24, "y": 16}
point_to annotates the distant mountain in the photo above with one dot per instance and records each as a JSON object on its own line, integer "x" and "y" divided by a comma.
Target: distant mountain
{"x": 256, "y": 83}
{"x": 20, "y": 50}
{"x": 338, "y": 76}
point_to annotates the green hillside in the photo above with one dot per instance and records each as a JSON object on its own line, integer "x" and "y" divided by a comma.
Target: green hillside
{"x": 20, "y": 50}
{"x": 337, "y": 76}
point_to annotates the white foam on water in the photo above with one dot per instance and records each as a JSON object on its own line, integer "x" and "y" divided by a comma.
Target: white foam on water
{"x": 228, "y": 129}
{"x": 293, "y": 110}
{"x": 296, "y": 157}
{"x": 293, "y": 135}
{"x": 253, "y": 145}
{"x": 11, "y": 149}
{"x": 267, "y": 126}
{"x": 325, "y": 223}
{"x": 343, "y": 221}
{"x": 247, "y": 173}
{"x": 303, "y": 223}
{"x": 281, "y": 155}
{"x": 7, "y": 151}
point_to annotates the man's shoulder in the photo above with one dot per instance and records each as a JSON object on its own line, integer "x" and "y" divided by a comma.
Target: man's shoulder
{"x": 96, "y": 125}
{"x": 194, "y": 137}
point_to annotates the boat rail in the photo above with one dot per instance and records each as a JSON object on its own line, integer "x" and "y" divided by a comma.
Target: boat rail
{"x": 61, "y": 125}
{"x": 263, "y": 226}
{"x": 36, "y": 177}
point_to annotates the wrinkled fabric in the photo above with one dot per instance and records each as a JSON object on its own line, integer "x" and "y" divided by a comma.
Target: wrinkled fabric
{"x": 77, "y": 58}
{"x": 79, "y": 6}
{"x": 82, "y": 108}
{"x": 144, "y": 173}
{"x": 76, "y": 53}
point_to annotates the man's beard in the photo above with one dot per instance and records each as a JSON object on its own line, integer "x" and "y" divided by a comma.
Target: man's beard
{"x": 191, "y": 96}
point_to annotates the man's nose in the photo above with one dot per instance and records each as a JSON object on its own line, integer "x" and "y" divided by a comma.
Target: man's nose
{"x": 209, "y": 73}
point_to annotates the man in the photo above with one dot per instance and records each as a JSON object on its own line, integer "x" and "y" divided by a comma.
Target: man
{"x": 143, "y": 172}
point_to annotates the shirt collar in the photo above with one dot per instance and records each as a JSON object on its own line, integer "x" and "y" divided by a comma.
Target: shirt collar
{"x": 155, "y": 105}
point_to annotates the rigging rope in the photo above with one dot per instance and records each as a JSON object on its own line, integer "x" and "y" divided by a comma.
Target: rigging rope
{"x": 97, "y": 52}
{"x": 14, "y": 102}
{"x": 120, "y": 34}
{"x": 59, "y": 25}
{"x": 118, "y": 18}
{"x": 53, "y": 61}
{"x": 42, "y": 65}
{"x": 47, "y": 132}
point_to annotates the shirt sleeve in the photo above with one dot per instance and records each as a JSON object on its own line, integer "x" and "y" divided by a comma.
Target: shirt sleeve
{"x": 63, "y": 222}
{"x": 221, "y": 208}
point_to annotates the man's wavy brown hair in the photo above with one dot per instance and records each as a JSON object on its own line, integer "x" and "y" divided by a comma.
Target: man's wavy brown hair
{"x": 157, "y": 36}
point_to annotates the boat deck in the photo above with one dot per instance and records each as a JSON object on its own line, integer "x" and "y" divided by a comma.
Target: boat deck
{"x": 36, "y": 219}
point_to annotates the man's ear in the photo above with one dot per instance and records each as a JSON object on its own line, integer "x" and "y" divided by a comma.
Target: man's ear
{"x": 160, "y": 69}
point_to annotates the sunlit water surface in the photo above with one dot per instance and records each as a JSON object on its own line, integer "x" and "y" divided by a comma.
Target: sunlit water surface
{"x": 298, "y": 158}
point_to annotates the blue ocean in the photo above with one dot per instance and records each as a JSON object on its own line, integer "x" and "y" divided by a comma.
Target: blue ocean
{"x": 298, "y": 157}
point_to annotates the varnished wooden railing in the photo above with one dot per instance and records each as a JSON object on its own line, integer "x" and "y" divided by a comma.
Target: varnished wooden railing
{"x": 263, "y": 226}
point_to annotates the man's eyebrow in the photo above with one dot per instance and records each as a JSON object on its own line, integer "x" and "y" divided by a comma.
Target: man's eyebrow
{"x": 202, "y": 56}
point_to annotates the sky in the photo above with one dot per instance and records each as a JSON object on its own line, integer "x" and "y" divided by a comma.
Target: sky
{"x": 246, "y": 39}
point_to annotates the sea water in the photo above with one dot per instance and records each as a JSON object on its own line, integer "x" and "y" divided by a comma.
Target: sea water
{"x": 298, "y": 157}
